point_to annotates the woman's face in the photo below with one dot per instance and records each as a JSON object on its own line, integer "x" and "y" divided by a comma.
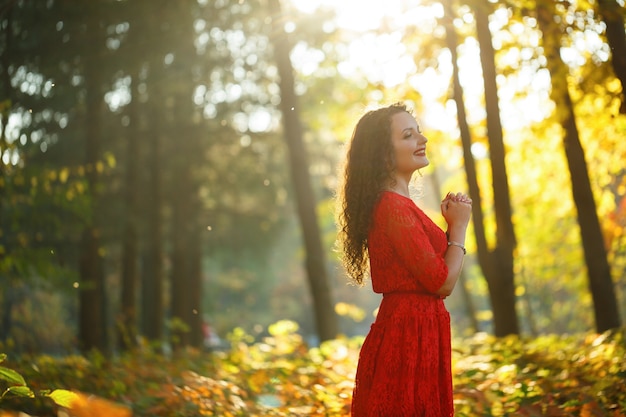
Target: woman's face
{"x": 408, "y": 143}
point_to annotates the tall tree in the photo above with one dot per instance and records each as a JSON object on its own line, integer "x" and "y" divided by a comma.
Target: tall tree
{"x": 325, "y": 317}
{"x": 127, "y": 322}
{"x": 612, "y": 14}
{"x": 498, "y": 263}
{"x": 598, "y": 269}
{"x": 153, "y": 273}
{"x": 133, "y": 53}
{"x": 91, "y": 317}
{"x": 183, "y": 189}
{"x": 466, "y": 140}
{"x": 6, "y": 94}
{"x": 153, "y": 133}
{"x": 39, "y": 170}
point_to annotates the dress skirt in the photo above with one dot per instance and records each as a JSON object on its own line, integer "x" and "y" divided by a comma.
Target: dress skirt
{"x": 404, "y": 365}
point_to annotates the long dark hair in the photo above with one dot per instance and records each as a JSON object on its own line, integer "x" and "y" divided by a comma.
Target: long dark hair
{"x": 368, "y": 170}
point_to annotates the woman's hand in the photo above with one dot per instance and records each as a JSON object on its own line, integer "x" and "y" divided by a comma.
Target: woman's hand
{"x": 456, "y": 210}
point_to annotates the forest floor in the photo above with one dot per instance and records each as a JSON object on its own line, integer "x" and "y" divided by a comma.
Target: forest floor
{"x": 581, "y": 375}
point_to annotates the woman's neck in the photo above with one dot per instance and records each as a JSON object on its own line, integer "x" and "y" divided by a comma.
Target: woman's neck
{"x": 400, "y": 186}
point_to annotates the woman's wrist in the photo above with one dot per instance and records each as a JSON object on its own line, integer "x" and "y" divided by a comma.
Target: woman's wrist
{"x": 458, "y": 245}
{"x": 456, "y": 235}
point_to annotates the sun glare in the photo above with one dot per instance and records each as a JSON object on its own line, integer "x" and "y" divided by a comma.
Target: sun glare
{"x": 364, "y": 15}
{"x": 375, "y": 49}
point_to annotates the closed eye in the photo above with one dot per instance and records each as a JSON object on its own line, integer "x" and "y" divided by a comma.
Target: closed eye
{"x": 409, "y": 133}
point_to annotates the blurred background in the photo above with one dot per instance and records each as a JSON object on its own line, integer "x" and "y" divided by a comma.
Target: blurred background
{"x": 168, "y": 168}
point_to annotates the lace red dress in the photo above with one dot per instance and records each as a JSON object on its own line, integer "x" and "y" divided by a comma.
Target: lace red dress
{"x": 404, "y": 364}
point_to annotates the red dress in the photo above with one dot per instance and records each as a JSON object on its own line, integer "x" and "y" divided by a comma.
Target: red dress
{"x": 404, "y": 364}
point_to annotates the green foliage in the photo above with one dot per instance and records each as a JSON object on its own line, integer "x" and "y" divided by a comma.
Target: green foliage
{"x": 550, "y": 375}
{"x": 14, "y": 386}
{"x": 279, "y": 375}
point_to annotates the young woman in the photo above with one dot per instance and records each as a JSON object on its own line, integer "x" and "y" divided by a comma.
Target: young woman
{"x": 404, "y": 364}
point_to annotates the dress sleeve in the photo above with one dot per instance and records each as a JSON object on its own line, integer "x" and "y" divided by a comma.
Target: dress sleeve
{"x": 411, "y": 244}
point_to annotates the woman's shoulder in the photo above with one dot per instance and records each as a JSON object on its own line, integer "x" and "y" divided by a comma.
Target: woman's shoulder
{"x": 396, "y": 208}
{"x": 391, "y": 199}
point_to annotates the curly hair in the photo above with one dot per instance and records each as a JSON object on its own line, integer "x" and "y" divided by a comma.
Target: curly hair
{"x": 368, "y": 170}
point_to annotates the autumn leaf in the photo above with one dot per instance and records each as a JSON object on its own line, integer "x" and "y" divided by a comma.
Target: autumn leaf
{"x": 91, "y": 406}
{"x": 62, "y": 397}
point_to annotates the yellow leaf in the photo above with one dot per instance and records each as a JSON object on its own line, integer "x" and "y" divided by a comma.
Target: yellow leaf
{"x": 64, "y": 175}
{"x": 62, "y": 397}
{"x": 283, "y": 327}
{"x": 110, "y": 159}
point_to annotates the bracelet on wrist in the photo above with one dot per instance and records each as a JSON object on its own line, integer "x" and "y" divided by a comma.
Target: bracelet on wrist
{"x": 457, "y": 244}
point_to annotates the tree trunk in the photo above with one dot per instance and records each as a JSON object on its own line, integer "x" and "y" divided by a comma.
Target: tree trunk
{"x": 325, "y": 317}
{"x": 186, "y": 283}
{"x": 179, "y": 284}
{"x": 187, "y": 155}
{"x": 153, "y": 270}
{"x": 91, "y": 316}
{"x": 127, "y": 321}
{"x": 153, "y": 276}
{"x": 6, "y": 316}
{"x": 502, "y": 282}
{"x": 498, "y": 273}
{"x": 6, "y": 94}
{"x": 598, "y": 269}
{"x": 613, "y": 17}
{"x": 196, "y": 337}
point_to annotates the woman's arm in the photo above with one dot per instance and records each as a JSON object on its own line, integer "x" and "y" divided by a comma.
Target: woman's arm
{"x": 456, "y": 209}
{"x": 408, "y": 242}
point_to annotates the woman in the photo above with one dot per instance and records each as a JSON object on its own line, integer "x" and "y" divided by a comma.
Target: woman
{"x": 404, "y": 364}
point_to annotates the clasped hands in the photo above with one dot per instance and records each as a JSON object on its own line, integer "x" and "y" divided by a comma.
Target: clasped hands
{"x": 456, "y": 209}
{"x": 457, "y": 198}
